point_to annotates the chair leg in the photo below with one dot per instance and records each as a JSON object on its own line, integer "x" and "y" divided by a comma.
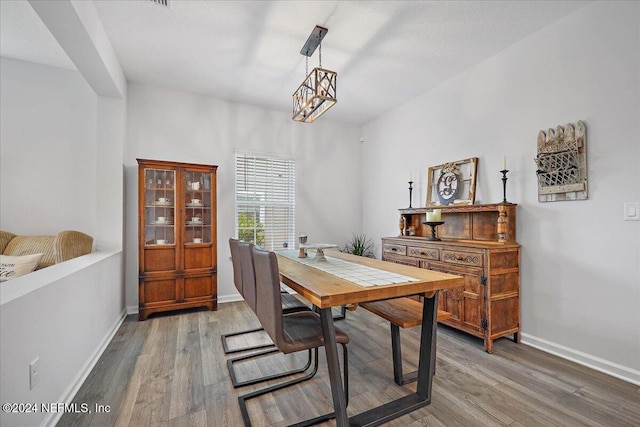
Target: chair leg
{"x": 225, "y": 344}
{"x": 290, "y": 304}
{"x": 317, "y": 420}
{"x": 236, "y": 383}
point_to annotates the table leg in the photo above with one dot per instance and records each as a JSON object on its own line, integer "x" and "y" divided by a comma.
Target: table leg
{"x": 427, "y": 360}
{"x": 335, "y": 377}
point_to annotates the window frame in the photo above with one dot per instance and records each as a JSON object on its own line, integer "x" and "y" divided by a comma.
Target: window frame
{"x": 265, "y": 198}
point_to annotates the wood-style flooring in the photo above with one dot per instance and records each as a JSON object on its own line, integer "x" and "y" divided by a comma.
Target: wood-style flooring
{"x": 170, "y": 371}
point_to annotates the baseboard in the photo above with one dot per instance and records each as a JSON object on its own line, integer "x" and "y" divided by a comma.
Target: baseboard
{"x": 593, "y": 362}
{"x": 229, "y": 298}
{"x": 132, "y": 309}
{"x": 70, "y": 393}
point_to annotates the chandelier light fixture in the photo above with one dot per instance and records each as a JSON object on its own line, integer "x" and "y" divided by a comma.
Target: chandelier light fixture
{"x": 317, "y": 92}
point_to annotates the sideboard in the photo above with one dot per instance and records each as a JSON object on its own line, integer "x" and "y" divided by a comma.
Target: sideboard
{"x": 479, "y": 243}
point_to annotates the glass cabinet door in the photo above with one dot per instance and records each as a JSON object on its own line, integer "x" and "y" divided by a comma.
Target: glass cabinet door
{"x": 198, "y": 205}
{"x": 159, "y": 207}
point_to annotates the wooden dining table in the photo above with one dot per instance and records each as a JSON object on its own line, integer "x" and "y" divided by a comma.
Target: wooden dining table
{"x": 326, "y": 290}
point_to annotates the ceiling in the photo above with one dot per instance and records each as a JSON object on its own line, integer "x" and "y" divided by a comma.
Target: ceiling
{"x": 385, "y": 52}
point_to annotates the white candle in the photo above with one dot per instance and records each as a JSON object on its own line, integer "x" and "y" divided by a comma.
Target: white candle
{"x": 434, "y": 215}
{"x": 411, "y": 176}
{"x": 504, "y": 163}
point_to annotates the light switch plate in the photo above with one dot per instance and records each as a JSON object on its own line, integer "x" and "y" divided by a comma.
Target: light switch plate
{"x": 632, "y": 211}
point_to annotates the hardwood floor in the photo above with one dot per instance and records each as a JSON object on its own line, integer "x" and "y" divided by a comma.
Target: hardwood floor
{"x": 170, "y": 371}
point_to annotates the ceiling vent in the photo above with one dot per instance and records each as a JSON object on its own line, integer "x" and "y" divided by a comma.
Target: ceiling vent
{"x": 164, "y": 3}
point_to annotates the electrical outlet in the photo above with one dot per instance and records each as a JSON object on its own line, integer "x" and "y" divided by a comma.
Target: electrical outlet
{"x": 632, "y": 211}
{"x": 34, "y": 372}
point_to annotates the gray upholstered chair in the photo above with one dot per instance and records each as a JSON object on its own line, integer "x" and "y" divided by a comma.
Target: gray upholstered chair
{"x": 290, "y": 304}
{"x": 234, "y": 245}
{"x": 291, "y": 333}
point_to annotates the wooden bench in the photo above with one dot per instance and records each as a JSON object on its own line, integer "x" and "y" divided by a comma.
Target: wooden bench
{"x": 401, "y": 313}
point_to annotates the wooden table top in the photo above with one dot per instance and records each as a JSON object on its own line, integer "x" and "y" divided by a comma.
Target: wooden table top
{"x": 326, "y": 290}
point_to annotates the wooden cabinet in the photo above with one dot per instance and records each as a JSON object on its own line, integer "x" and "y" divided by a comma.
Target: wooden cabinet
{"x": 479, "y": 243}
{"x": 176, "y": 236}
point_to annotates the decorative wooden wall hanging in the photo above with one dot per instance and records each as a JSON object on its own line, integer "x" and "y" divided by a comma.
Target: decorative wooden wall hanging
{"x": 452, "y": 183}
{"x": 562, "y": 163}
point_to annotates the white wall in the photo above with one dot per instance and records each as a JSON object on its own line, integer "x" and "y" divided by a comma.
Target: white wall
{"x": 171, "y": 125}
{"x": 60, "y": 168}
{"x": 48, "y": 152}
{"x": 61, "y": 154}
{"x": 580, "y": 276}
{"x": 66, "y": 324}
{"x": 111, "y": 136}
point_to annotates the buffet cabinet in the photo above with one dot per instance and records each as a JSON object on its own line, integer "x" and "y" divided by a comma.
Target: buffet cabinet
{"x": 477, "y": 242}
{"x": 177, "y": 240}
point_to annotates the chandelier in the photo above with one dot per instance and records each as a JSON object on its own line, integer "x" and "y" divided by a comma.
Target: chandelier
{"x": 317, "y": 92}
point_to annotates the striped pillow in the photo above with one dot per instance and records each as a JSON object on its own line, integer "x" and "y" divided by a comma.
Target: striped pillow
{"x": 27, "y": 245}
{"x": 14, "y": 266}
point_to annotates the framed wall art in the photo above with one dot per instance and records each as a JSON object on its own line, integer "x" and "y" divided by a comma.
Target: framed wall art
{"x": 452, "y": 183}
{"x": 562, "y": 163}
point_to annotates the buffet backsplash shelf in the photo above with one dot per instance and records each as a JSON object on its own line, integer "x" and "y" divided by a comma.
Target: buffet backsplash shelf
{"x": 483, "y": 222}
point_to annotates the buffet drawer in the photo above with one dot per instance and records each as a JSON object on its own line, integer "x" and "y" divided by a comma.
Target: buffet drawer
{"x": 474, "y": 259}
{"x": 395, "y": 249}
{"x": 426, "y": 253}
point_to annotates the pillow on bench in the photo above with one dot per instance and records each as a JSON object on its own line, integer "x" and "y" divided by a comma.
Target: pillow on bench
{"x": 27, "y": 245}
{"x": 14, "y": 266}
{"x": 62, "y": 247}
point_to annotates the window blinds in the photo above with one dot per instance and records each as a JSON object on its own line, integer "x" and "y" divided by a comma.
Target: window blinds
{"x": 265, "y": 200}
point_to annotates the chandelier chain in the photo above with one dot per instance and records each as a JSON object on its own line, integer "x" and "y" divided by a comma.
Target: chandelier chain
{"x": 320, "y": 54}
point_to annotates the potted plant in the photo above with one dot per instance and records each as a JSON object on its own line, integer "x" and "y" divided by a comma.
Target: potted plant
{"x": 359, "y": 245}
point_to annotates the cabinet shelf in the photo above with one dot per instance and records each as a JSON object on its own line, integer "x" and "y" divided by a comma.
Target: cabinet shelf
{"x": 458, "y": 208}
{"x": 488, "y": 222}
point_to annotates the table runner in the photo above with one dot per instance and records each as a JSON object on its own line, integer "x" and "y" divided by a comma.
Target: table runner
{"x": 355, "y": 273}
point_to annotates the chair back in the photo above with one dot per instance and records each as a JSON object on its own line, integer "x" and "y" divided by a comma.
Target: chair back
{"x": 248, "y": 274}
{"x": 234, "y": 245}
{"x": 269, "y": 307}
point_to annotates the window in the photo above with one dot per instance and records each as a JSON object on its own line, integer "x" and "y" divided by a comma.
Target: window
{"x": 265, "y": 200}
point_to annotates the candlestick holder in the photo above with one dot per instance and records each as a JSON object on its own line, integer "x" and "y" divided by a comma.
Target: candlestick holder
{"x": 410, "y": 191}
{"x": 433, "y": 225}
{"x": 504, "y": 185}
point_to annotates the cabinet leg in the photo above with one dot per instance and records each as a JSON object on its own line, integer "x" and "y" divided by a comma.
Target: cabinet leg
{"x": 488, "y": 345}
{"x": 516, "y": 337}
